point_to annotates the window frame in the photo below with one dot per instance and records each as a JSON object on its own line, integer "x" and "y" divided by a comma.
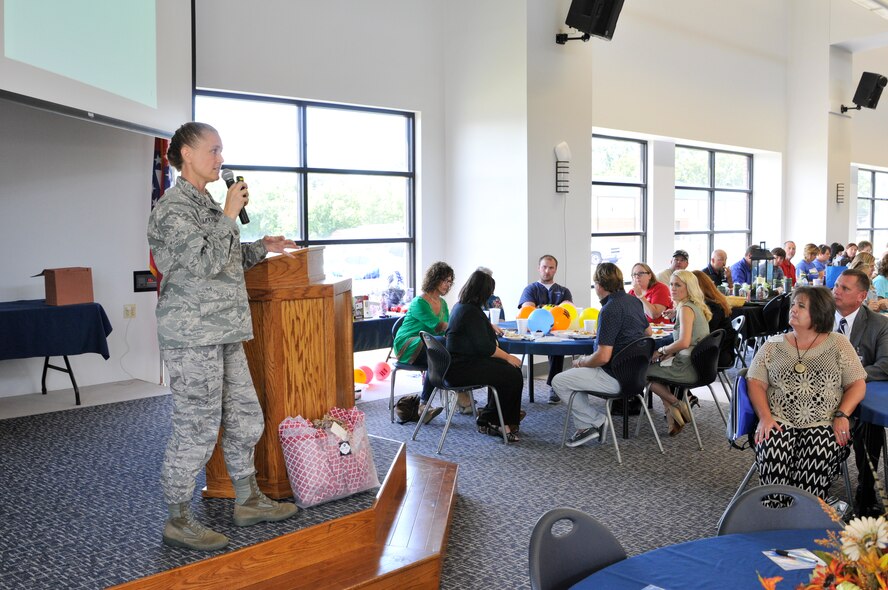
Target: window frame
{"x": 643, "y": 188}
{"x": 873, "y": 199}
{"x": 711, "y": 191}
{"x": 304, "y": 171}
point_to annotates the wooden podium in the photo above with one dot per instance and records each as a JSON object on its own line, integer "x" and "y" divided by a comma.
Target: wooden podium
{"x": 300, "y": 357}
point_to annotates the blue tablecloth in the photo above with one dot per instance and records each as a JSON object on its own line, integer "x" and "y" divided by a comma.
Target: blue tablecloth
{"x": 30, "y": 328}
{"x": 727, "y": 563}
{"x": 372, "y": 334}
{"x": 874, "y": 407}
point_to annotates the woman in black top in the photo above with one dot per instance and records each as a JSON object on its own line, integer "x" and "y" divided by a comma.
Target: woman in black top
{"x": 476, "y": 357}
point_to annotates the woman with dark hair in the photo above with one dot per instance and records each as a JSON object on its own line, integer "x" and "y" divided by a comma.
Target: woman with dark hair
{"x": 427, "y": 313}
{"x": 803, "y": 386}
{"x": 203, "y": 319}
{"x": 720, "y": 320}
{"x": 837, "y": 251}
{"x": 476, "y": 357}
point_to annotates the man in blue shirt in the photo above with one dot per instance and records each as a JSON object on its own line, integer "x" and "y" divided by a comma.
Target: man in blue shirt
{"x": 621, "y": 322}
{"x": 547, "y": 292}
{"x": 741, "y": 271}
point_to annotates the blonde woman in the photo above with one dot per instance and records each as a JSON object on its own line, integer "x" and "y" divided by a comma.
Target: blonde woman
{"x": 866, "y": 263}
{"x": 806, "y": 268}
{"x": 673, "y": 362}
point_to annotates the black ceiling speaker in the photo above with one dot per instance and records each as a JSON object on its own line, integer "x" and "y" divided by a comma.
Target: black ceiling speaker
{"x": 868, "y": 91}
{"x": 596, "y": 18}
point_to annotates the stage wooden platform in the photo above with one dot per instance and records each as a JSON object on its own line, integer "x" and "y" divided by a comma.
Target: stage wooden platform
{"x": 397, "y": 543}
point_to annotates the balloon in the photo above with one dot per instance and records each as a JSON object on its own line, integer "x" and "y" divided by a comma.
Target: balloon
{"x": 360, "y": 376}
{"x": 383, "y": 370}
{"x": 590, "y": 313}
{"x": 525, "y": 312}
{"x": 561, "y": 318}
{"x": 368, "y": 372}
{"x": 541, "y": 320}
{"x": 571, "y": 310}
{"x": 548, "y": 306}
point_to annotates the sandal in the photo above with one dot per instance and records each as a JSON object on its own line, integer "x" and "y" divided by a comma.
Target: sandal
{"x": 494, "y": 430}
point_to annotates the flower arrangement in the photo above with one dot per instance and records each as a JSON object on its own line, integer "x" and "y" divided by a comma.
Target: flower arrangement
{"x": 857, "y": 559}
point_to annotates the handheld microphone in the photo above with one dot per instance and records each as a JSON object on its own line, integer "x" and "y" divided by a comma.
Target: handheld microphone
{"x": 228, "y": 177}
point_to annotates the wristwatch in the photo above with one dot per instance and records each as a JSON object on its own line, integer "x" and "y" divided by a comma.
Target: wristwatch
{"x": 840, "y": 414}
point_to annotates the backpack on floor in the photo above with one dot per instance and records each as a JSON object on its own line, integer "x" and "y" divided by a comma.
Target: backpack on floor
{"x": 407, "y": 409}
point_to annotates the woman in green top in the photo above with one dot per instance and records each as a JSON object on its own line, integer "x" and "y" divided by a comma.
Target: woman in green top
{"x": 427, "y": 313}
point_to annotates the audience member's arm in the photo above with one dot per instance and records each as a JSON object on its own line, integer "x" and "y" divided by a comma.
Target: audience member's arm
{"x": 599, "y": 358}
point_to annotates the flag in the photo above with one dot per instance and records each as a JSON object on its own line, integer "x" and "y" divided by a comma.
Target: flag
{"x": 161, "y": 179}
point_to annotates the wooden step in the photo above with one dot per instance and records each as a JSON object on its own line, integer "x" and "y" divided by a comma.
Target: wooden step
{"x": 397, "y": 543}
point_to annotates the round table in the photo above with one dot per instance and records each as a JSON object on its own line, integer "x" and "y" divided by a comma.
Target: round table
{"x": 729, "y": 562}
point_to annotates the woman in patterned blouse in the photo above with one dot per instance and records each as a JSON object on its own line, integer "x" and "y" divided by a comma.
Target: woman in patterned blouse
{"x": 803, "y": 386}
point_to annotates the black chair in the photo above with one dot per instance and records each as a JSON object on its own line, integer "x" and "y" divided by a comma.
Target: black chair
{"x": 749, "y": 513}
{"x": 704, "y": 358}
{"x": 559, "y": 561}
{"x": 629, "y": 367}
{"x": 771, "y": 314}
{"x": 783, "y": 322}
{"x": 399, "y": 366}
{"x": 735, "y": 342}
{"x": 439, "y": 363}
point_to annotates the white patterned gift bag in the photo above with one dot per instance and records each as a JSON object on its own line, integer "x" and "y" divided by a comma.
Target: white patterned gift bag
{"x": 328, "y": 459}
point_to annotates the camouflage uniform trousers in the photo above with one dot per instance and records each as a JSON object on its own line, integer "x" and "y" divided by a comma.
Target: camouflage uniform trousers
{"x": 210, "y": 385}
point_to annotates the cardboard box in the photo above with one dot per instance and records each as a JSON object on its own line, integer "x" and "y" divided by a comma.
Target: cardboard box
{"x": 65, "y": 286}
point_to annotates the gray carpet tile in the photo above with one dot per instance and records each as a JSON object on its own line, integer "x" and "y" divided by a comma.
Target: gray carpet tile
{"x": 82, "y": 506}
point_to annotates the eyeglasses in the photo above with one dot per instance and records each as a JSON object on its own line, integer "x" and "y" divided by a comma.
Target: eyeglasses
{"x": 636, "y": 275}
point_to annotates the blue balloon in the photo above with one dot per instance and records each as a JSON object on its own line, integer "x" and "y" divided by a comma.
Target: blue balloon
{"x": 540, "y": 320}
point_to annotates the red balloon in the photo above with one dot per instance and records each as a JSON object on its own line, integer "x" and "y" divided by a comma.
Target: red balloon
{"x": 368, "y": 372}
{"x": 383, "y": 370}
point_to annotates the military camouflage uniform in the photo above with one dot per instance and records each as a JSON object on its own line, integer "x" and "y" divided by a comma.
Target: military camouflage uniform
{"x": 203, "y": 317}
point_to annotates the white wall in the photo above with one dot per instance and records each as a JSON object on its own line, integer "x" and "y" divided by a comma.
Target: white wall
{"x": 869, "y": 128}
{"x": 75, "y": 193}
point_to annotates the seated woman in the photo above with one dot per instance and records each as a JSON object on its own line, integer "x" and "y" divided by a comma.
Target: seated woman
{"x": 866, "y": 263}
{"x": 803, "y": 386}
{"x": 806, "y": 269}
{"x": 427, "y": 313}
{"x": 476, "y": 357}
{"x": 880, "y": 285}
{"x": 653, "y": 294}
{"x": 720, "y": 320}
{"x": 691, "y": 325}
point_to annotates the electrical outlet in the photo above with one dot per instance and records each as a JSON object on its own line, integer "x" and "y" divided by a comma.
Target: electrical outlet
{"x": 129, "y": 311}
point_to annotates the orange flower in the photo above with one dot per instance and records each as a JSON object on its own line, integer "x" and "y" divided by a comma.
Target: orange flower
{"x": 768, "y": 583}
{"x": 827, "y": 577}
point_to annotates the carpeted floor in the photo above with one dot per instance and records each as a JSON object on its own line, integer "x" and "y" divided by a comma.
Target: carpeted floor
{"x": 81, "y": 503}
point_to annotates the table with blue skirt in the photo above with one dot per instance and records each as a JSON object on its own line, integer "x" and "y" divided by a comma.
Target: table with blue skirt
{"x": 728, "y": 562}
{"x": 873, "y": 409}
{"x": 530, "y": 347}
{"x": 373, "y": 333}
{"x": 31, "y": 328}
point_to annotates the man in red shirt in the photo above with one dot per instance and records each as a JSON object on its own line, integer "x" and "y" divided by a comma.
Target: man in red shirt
{"x": 787, "y": 266}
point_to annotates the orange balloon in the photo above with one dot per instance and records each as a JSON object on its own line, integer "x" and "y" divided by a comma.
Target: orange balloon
{"x": 562, "y": 318}
{"x": 525, "y": 312}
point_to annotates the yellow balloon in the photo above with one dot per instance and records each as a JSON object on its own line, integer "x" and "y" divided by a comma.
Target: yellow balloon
{"x": 360, "y": 376}
{"x": 571, "y": 310}
{"x": 590, "y": 313}
{"x": 548, "y": 306}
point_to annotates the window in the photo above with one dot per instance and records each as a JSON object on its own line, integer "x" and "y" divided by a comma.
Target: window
{"x": 713, "y": 201}
{"x": 324, "y": 175}
{"x": 619, "y": 202}
{"x": 872, "y": 207}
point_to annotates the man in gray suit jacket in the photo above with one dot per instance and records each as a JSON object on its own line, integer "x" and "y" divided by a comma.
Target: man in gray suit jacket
{"x": 869, "y": 336}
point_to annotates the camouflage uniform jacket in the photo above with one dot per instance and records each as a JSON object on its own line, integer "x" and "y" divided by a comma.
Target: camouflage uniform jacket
{"x": 203, "y": 297}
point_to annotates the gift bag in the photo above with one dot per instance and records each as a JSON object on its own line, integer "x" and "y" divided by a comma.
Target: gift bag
{"x": 327, "y": 459}
{"x": 743, "y": 420}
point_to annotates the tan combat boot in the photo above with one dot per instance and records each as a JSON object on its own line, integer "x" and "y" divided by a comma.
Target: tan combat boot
{"x": 251, "y": 506}
{"x": 183, "y": 530}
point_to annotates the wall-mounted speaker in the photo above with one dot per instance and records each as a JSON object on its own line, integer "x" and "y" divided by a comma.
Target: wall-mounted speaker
{"x": 869, "y": 90}
{"x": 597, "y": 18}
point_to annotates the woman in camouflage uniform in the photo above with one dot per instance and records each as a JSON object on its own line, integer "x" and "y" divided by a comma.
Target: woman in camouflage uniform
{"x": 203, "y": 318}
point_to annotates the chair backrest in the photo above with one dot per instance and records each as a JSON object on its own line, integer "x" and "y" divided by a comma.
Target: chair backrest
{"x": 748, "y": 513}
{"x": 771, "y": 314}
{"x": 561, "y": 560}
{"x": 438, "y": 360}
{"x": 704, "y": 357}
{"x": 629, "y": 366}
{"x": 783, "y": 323}
{"x": 734, "y": 340}
{"x": 397, "y": 326}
